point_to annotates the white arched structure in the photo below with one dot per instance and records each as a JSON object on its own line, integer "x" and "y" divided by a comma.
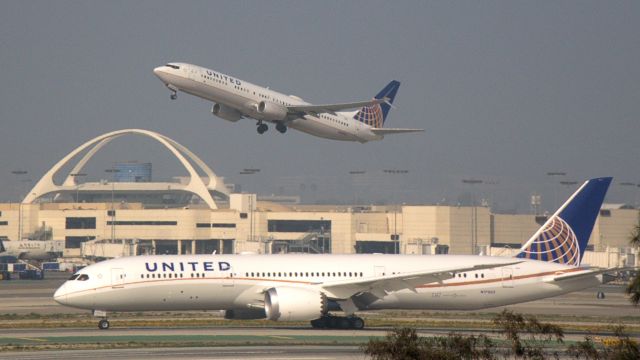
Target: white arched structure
{"x": 202, "y": 187}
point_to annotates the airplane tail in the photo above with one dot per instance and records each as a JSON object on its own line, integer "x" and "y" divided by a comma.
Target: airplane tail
{"x": 375, "y": 115}
{"x": 564, "y": 237}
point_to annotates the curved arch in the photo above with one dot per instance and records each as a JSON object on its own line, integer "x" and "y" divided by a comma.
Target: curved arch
{"x": 196, "y": 185}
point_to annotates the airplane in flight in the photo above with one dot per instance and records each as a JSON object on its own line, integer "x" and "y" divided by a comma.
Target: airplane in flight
{"x": 235, "y": 99}
{"x": 294, "y": 287}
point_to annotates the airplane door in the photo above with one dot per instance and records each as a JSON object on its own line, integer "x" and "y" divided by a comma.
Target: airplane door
{"x": 507, "y": 277}
{"x": 117, "y": 278}
{"x": 228, "y": 279}
{"x": 379, "y": 270}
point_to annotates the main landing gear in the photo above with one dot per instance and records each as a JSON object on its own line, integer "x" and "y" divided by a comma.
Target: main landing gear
{"x": 281, "y": 128}
{"x": 338, "y": 322}
{"x": 262, "y": 128}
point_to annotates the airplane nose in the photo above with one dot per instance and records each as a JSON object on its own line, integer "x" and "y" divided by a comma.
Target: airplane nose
{"x": 60, "y": 296}
{"x": 158, "y": 71}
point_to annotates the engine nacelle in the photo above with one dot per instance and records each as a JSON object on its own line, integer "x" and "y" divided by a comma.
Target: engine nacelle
{"x": 245, "y": 314}
{"x": 294, "y": 304}
{"x": 271, "y": 111}
{"x": 226, "y": 113}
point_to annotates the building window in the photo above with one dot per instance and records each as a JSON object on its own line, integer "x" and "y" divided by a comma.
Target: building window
{"x": 320, "y": 226}
{"x": 111, "y": 213}
{"x": 4, "y": 223}
{"x": 215, "y": 225}
{"x": 243, "y": 215}
{"x": 136, "y": 223}
{"x": 223, "y": 225}
{"x": 74, "y": 242}
{"x": 80, "y": 223}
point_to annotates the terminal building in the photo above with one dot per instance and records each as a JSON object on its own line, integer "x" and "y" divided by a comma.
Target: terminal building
{"x": 131, "y": 215}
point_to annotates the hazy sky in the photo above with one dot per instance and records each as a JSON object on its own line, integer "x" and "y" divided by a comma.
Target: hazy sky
{"x": 507, "y": 91}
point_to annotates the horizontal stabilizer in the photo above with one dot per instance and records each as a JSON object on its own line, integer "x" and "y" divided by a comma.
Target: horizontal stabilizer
{"x": 385, "y": 131}
{"x": 586, "y": 273}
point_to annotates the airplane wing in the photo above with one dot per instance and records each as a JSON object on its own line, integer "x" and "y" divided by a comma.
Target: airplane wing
{"x": 379, "y": 286}
{"x": 386, "y": 131}
{"x": 329, "y": 108}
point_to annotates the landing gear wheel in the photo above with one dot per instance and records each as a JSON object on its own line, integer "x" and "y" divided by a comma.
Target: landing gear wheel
{"x": 357, "y": 323}
{"x": 174, "y": 95}
{"x": 281, "y": 128}
{"x": 103, "y": 324}
{"x": 343, "y": 323}
{"x": 338, "y": 322}
{"x": 262, "y": 128}
{"x": 320, "y": 323}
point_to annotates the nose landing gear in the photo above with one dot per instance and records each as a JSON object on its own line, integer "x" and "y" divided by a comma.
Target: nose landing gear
{"x": 103, "y": 324}
{"x": 174, "y": 91}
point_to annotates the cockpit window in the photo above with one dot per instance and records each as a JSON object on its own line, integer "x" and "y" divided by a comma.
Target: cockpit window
{"x": 174, "y": 66}
{"x": 73, "y": 277}
{"x": 83, "y": 277}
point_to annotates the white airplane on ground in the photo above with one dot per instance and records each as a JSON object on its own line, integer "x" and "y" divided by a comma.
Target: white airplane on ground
{"x": 307, "y": 287}
{"x": 32, "y": 249}
{"x": 235, "y": 99}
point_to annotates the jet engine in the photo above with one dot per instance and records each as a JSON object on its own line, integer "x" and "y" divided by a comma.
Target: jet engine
{"x": 271, "y": 111}
{"x": 294, "y": 304}
{"x": 225, "y": 112}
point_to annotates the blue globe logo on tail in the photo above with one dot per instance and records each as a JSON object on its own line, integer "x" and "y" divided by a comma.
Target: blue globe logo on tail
{"x": 371, "y": 115}
{"x": 564, "y": 237}
{"x": 375, "y": 115}
{"x": 557, "y": 242}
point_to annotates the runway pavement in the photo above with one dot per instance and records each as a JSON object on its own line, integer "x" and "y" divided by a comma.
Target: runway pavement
{"x": 232, "y": 352}
{"x": 24, "y": 297}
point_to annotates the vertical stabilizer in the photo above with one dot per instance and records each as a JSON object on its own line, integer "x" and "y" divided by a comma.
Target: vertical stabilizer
{"x": 375, "y": 115}
{"x": 565, "y": 235}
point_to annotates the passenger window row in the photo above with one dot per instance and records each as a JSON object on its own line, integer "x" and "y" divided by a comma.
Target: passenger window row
{"x": 464, "y": 275}
{"x": 304, "y": 274}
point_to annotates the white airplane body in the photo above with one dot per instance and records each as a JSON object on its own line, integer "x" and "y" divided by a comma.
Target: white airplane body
{"x": 307, "y": 287}
{"x": 31, "y": 249}
{"x": 236, "y": 99}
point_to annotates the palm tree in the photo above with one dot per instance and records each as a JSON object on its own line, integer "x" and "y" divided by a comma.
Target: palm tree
{"x": 634, "y": 287}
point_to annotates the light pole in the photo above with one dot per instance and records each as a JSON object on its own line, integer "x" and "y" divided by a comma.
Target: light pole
{"x": 395, "y": 236}
{"x": 357, "y": 177}
{"x": 474, "y": 213}
{"x": 554, "y": 174}
{"x": 75, "y": 177}
{"x": 112, "y": 212}
{"x": 20, "y": 174}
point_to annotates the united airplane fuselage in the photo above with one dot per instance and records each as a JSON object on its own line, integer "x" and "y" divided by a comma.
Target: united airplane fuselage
{"x": 307, "y": 287}
{"x": 192, "y": 282}
{"x": 235, "y": 99}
